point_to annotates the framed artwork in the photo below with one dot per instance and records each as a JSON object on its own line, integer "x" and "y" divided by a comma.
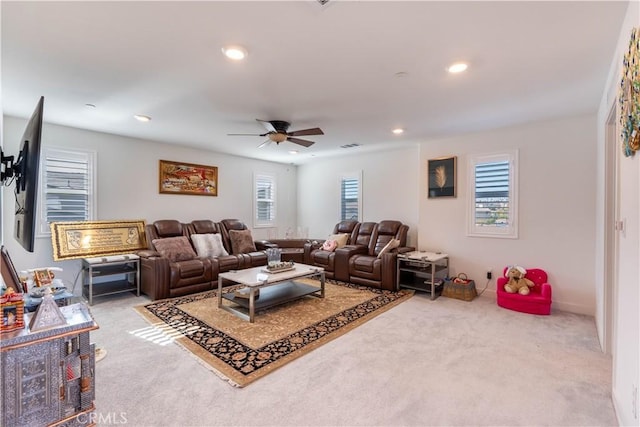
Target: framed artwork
{"x": 442, "y": 177}
{"x": 188, "y": 178}
{"x": 84, "y": 239}
{"x": 9, "y": 273}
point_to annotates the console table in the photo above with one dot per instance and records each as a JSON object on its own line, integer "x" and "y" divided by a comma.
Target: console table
{"x": 48, "y": 375}
{"x": 123, "y": 265}
{"x": 422, "y": 271}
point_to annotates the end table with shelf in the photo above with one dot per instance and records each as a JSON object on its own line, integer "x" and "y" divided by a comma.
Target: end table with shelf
{"x": 127, "y": 266}
{"x": 422, "y": 271}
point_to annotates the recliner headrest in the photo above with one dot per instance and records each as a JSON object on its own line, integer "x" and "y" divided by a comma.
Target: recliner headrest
{"x": 168, "y": 228}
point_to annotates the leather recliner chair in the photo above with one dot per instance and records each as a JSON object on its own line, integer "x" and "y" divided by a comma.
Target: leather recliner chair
{"x": 246, "y": 260}
{"x": 368, "y": 268}
{"x": 164, "y": 278}
{"x": 335, "y": 264}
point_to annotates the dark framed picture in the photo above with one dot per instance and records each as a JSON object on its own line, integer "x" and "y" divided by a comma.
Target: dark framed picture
{"x": 442, "y": 177}
{"x": 188, "y": 178}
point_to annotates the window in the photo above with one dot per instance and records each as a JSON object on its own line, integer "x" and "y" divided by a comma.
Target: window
{"x": 351, "y": 196}
{"x": 265, "y": 200}
{"x": 493, "y": 200}
{"x": 67, "y": 190}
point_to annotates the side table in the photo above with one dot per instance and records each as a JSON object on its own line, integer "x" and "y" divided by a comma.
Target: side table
{"x": 127, "y": 265}
{"x": 422, "y": 271}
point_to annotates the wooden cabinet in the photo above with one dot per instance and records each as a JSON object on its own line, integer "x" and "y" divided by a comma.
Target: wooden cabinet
{"x": 48, "y": 376}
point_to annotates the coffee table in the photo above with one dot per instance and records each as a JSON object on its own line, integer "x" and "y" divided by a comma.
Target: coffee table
{"x": 274, "y": 288}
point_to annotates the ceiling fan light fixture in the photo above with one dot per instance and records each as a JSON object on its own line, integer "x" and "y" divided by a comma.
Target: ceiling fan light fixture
{"x": 278, "y": 137}
{"x": 237, "y": 53}
{"x": 458, "y": 67}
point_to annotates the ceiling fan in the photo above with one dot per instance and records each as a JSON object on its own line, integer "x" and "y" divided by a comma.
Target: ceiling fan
{"x": 277, "y": 132}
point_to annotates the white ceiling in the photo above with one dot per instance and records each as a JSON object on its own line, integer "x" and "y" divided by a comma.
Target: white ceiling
{"x": 333, "y": 66}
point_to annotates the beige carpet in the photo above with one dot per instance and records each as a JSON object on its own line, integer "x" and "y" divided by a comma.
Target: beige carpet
{"x": 242, "y": 352}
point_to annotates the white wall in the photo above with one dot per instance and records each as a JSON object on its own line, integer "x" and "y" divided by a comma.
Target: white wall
{"x": 389, "y": 190}
{"x": 625, "y": 307}
{"x": 556, "y": 208}
{"x": 128, "y": 186}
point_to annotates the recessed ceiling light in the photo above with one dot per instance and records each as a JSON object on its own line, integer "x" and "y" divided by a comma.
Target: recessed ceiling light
{"x": 458, "y": 67}
{"x": 236, "y": 53}
{"x": 293, "y": 152}
{"x": 142, "y": 118}
{"x": 398, "y": 131}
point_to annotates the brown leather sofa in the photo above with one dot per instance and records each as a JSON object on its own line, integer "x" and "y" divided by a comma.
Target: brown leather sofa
{"x": 372, "y": 269}
{"x": 162, "y": 277}
{"x": 336, "y": 263}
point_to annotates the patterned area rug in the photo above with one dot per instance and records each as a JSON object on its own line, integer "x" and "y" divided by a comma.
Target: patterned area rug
{"x": 242, "y": 352}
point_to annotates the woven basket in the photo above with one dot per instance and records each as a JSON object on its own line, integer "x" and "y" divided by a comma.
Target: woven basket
{"x": 460, "y": 288}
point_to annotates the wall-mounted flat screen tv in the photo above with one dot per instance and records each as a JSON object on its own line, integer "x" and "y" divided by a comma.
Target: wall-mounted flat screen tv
{"x": 26, "y": 180}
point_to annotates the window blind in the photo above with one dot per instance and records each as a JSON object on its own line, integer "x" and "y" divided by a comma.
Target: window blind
{"x": 492, "y": 194}
{"x": 349, "y": 203}
{"x": 265, "y": 199}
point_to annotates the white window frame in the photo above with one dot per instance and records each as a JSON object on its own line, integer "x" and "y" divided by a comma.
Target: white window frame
{"x": 350, "y": 176}
{"x": 90, "y": 157}
{"x": 510, "y": 229}
{"x": 257, "y": 222}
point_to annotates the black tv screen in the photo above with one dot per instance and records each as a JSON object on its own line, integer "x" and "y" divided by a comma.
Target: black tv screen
{"x": 26, "y": 170}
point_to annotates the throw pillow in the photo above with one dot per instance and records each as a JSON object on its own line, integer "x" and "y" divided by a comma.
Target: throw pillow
{"x": 209, "y": 245}
{"x": 393, "y": 243}
{"x": 341, "y": 239}
{"x": 241, "y": 241}
{"x": 175, "y": 248}
{"x": 329, "y": 245}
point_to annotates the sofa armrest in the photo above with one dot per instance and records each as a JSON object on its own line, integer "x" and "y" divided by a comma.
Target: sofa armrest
{"x": 309, "y": 247}
{"x": 341, "y": 261}
{"x": 262, "y": 245}
{"x": 545, "y": 291}
{"x": 148, "y": 254}
{"x": 155, "y": 275}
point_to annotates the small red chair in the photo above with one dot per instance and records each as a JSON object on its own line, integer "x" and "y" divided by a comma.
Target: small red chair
{"x": 537, "y": 302}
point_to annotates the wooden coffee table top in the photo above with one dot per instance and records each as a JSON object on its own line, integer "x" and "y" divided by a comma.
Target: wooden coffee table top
{"x": 258, "y": 276}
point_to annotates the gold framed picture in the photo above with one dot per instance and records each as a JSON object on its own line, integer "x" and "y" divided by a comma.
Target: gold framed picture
{"x": 188, "y": 178}
{"x": 85, "y": 239}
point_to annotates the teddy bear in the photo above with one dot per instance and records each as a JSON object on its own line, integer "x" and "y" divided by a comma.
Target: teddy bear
{"x": 517, "y": 282}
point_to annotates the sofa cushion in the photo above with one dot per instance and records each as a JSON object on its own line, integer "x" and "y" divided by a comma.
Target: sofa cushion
{"x": 393, "y": 243}
{"x": 209, "y": 245}
{"x": 241, "y": 241}
{"x": 330, "y": 245}
{"x": 175, "y": 248}
{"x": 341, "y": 239}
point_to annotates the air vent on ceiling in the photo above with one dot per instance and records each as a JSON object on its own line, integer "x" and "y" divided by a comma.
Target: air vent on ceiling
{"x": 349, "y": 145}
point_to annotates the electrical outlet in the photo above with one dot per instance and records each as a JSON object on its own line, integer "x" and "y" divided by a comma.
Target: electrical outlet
{"x": 488, "y": 274}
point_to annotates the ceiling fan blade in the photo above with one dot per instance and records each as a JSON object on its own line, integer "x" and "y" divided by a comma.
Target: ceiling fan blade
{"x": 302, "y": 142}
{"x": 267, "y": 125}
{"x": 312, "y": 131}
{"x": 264, "y": 144}
{"x": 244, "y": 134}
